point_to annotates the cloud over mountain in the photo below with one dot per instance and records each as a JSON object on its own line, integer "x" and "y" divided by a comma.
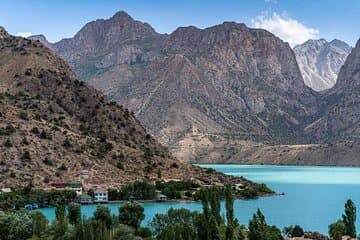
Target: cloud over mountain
{"x": 288, "y": 29}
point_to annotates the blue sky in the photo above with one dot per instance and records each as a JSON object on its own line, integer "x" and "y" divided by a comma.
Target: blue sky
{"x": 292, "y": 20}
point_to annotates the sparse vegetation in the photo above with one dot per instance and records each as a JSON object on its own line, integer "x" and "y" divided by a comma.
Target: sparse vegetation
{"x": 8, "y": 143}
{"x": 7, "y": 131}
{"x": 63, "y": 167}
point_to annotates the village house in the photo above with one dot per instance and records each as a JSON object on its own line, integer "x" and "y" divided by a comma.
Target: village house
{"x": 75, "y": 186}
{"x": 100, "y": 195}
{"x": 85, "y": 199}
{"x": 161, "y": 197}
{"x": 5, "y": 190}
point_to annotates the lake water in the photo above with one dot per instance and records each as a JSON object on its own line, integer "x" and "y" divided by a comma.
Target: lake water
{"x": 314, "y": 196}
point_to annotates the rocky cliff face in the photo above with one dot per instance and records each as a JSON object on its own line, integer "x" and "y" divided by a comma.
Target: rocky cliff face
{"x": 220, "y": 82}
{"x": 53, "y": 126}
{"x": 320, "y": 62}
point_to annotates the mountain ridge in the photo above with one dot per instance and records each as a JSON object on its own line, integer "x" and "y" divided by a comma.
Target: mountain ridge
{"x": 207, "y": 92}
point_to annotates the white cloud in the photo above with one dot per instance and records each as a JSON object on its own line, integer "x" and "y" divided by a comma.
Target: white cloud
{"x": 24, "y": 34}
{"x": 288, "y": 29}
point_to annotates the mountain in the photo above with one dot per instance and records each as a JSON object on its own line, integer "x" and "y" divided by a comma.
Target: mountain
{"x": 341, "y": 117}
{"x": 320, "y": 62}
{"x": 53, "y": 126}
{"x": 196, "y": 88}
{"x": 227, "y": 93}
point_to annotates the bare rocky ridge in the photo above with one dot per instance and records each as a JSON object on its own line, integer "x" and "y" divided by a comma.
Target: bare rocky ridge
{"x": 222, "y": 94}
{"x": 53, "y": 126}
{"x": 320, "y": 62}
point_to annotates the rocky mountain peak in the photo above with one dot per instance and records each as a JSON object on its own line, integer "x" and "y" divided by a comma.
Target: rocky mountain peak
{"x": 122, "y": 16}
{"x": 320, "y": 62}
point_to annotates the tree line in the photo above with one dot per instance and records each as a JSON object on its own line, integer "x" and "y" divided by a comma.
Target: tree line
{"x": 176, "y": 224}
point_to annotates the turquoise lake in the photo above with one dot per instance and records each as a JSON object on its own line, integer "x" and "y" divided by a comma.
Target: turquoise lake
{"x": 314, "y": 196}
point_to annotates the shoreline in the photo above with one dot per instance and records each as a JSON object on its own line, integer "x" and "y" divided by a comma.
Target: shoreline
{"x": 277, "y": 165}
{"x": 168, "y": 201}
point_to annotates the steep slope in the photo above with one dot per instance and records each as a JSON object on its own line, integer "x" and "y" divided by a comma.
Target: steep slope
{"x": 320, "y": 62}
{"x": 226, "y": 81}
{"x": 341, "y": 118}
{"x": 53, "y": 126}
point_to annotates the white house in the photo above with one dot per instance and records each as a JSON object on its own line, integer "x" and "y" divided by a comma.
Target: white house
{"x": 100, "y": 195}
{"x": 5, "y": 190}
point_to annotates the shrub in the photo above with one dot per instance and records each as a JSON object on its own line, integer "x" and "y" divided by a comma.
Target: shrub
{"x": 44, "y": 135}
{"x": 337, "y": 230}
{"x": 26, "y": 156}
{"x": 67, "y": 144}
{"x": 293, "y": 231}
{"x": 35, "y": 130}
{"x": 8, "y": 143}
{"x": 174, "y": 165}
{"x": 63, "y": 167}
{"x": 7, "y": 131}
{"x": 23, "y": 115}
{"x": 48, "y": 162}
{"x": 25, "y": 141}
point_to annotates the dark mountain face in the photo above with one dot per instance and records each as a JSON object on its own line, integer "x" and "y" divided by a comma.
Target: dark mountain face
{"x": 202, "y": 90}
{"x": 53, "y": 126}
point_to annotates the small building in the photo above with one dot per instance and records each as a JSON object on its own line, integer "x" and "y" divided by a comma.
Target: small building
{"x": 161, "y": 197}
{"x": 75, "y": 186}
{"x": 31, "y": 206}
{"x": 239, "y": 186}
{"x": 100, "y": 195}
{"x": 85, "y": 199}
{"x": 59, "y": 185}
{"x": 5, "y": 190}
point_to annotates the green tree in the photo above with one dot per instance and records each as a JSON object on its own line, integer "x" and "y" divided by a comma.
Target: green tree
{"x": 102, "y": 214}
{"x": 124, "y": 232}
{"x": 230, "y": 220}
{"x": 19, "y": 226}
{"x": 293, "y": 231}
{"x": 337, "y": 230}
{"x": 131, "y": 214}
{"x": 4, "y": 231}
{"x": 259, "y": 230}
{"x": 60, "y": 226}
{"x": 74, "y": 213}
{"x": 40, "y": 224}
{"x": 179, "y": 221}
{"x": 349, "y": 218}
